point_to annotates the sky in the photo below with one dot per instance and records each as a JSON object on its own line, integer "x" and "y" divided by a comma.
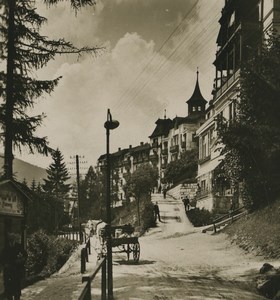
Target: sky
{"x": 152, "y": 49}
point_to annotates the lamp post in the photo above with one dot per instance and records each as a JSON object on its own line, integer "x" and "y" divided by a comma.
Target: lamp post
{"x": 109, "y": 125}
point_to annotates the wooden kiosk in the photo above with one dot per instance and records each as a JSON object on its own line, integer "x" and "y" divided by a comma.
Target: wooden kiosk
{"x": 13, "y": 207}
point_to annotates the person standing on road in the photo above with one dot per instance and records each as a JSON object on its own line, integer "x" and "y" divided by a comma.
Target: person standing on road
{"x": 156, "y": 211}
{"x": 12, "y": 259}
{"x": 186, "y": 202}
{"x": 164, "y": 193}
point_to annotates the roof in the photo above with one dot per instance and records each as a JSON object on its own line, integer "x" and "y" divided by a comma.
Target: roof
{"x": 196, "y": 96}
{"x": 190, "y": 119}
{"x": 121, "y": 152}
{"x": 162, "y": 128}
{"x": 18, "y": 186}
{"x": 140, "y": 148}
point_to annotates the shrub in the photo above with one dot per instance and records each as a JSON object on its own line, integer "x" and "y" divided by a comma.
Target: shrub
{"x": 147, "y": 216}
{"x": 200, "y": 217}
{"x": 60, "y": 250}
{"x": 37, "y": 250}
{"x": 46, "y": 254}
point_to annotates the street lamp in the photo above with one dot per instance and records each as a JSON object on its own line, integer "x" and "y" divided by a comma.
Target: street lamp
{"x": 109, "y": 125}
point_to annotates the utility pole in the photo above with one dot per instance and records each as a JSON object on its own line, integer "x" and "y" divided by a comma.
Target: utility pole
{"x": 78, "y": 197}
{"x": 78, "y": 174}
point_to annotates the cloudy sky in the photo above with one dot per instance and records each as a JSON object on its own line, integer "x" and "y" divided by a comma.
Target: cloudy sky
{"x": 153, "y": 49}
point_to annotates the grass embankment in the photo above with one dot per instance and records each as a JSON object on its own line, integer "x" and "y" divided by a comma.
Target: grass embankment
{"x": 128, "y": 215}
{"x": 259, "y": 232}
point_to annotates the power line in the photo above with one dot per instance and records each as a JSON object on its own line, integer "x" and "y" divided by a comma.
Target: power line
{"x": 152, "y": 77}
{"x": 157, "y": 51}
{"x": 140, "y": 88}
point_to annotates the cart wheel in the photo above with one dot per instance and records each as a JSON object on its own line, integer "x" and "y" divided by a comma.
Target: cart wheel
{"x": 136, "y": 252}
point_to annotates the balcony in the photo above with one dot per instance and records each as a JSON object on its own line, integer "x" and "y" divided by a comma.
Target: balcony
{"x": 153, "y": 157}
{"x": 126, "y": 162}
{"x": 219, "y": 90}
{"x": 163, "y": 165}
{"x": 174, "y": 149}
{"x": 164, "y": 152}
{"x": 155, "y": 144}
{"x": 204, "y": 159}
{"x": 203, "y": 193}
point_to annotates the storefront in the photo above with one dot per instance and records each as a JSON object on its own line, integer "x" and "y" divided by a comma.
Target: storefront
{"x": 13, "y": 206}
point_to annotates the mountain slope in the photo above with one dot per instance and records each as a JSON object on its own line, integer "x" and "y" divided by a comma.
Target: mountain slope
{"x": 25, "y": 170}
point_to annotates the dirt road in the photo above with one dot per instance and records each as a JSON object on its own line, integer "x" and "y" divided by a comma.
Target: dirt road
{"x": 177, "y": 261}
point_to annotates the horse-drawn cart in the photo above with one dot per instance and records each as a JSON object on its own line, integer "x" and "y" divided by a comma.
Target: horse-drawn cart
{"x": 123, "y": 241}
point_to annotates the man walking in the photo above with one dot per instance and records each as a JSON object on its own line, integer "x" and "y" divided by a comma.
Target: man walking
{"x": 156, "y": 211}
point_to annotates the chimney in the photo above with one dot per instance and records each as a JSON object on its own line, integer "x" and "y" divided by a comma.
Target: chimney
{"x": 142, "y": 143}
{"x": 120, "y": 149}
{"x": 130, "y": 146}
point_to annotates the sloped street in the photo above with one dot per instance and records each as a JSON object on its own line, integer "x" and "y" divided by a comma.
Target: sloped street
{"x": 179, "y": 262}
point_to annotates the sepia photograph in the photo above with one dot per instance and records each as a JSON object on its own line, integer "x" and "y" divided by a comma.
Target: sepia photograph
{"x": 139, "y": 149}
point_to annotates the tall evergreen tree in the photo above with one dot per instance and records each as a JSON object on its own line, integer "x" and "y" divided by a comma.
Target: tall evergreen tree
{"x": 57, "y": 177}
{"x": 33, "y": 186}
{"x": 90, "y": 195}
{"x": 25, "y": 50}
{"x": 56, "y": 186}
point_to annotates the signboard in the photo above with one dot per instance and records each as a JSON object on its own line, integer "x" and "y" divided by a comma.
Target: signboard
{"x": 11, "y": 202}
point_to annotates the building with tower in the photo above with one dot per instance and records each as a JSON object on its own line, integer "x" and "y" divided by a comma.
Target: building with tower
{"x": 171, "y": 138}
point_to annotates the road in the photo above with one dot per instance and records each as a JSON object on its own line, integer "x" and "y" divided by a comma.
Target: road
{"x": 178, "y": 261}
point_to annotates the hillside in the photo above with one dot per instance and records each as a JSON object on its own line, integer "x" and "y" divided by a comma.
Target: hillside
{"x": 26, "y": 170}
{"x": 258, "y": 232}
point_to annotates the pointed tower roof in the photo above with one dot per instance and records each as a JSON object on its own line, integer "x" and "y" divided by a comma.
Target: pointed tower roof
{"x": 196, "y": 97}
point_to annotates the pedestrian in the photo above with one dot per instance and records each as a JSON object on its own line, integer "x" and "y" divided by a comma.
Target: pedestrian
{"x": 156, "y": 211}
{"x": 186, "y": 202}
{"x": 164, "y": 193}
{"x": 12, "y": 258}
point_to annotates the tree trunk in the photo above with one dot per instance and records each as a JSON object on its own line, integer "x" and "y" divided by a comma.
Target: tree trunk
{"x": 8, "y": 161}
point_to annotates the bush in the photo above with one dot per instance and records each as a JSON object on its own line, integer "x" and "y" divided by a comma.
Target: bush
{"x": 47, "y": 254}
{"x": 37, "y": 250}
{"x": 147, "y": 216}
{"x": 200, "y": 217}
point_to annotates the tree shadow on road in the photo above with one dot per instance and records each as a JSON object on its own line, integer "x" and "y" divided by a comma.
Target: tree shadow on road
{"x": 131, "y": 262}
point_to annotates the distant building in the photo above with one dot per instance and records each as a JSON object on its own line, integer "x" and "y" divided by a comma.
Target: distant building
{"x": 242, "y": 27}
{"x": 124, "y": 161}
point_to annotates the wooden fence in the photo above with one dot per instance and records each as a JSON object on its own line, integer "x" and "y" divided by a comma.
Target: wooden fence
{"x": 85, "y": 290}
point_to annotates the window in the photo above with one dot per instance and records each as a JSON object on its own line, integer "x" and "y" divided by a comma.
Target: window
{"x": 194, "y": 108}
{"x": 203, "y": 185}
{"x": 231, "y": 19}
{"x": 204, "y": 146}
{"x": 199, "y": 108}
